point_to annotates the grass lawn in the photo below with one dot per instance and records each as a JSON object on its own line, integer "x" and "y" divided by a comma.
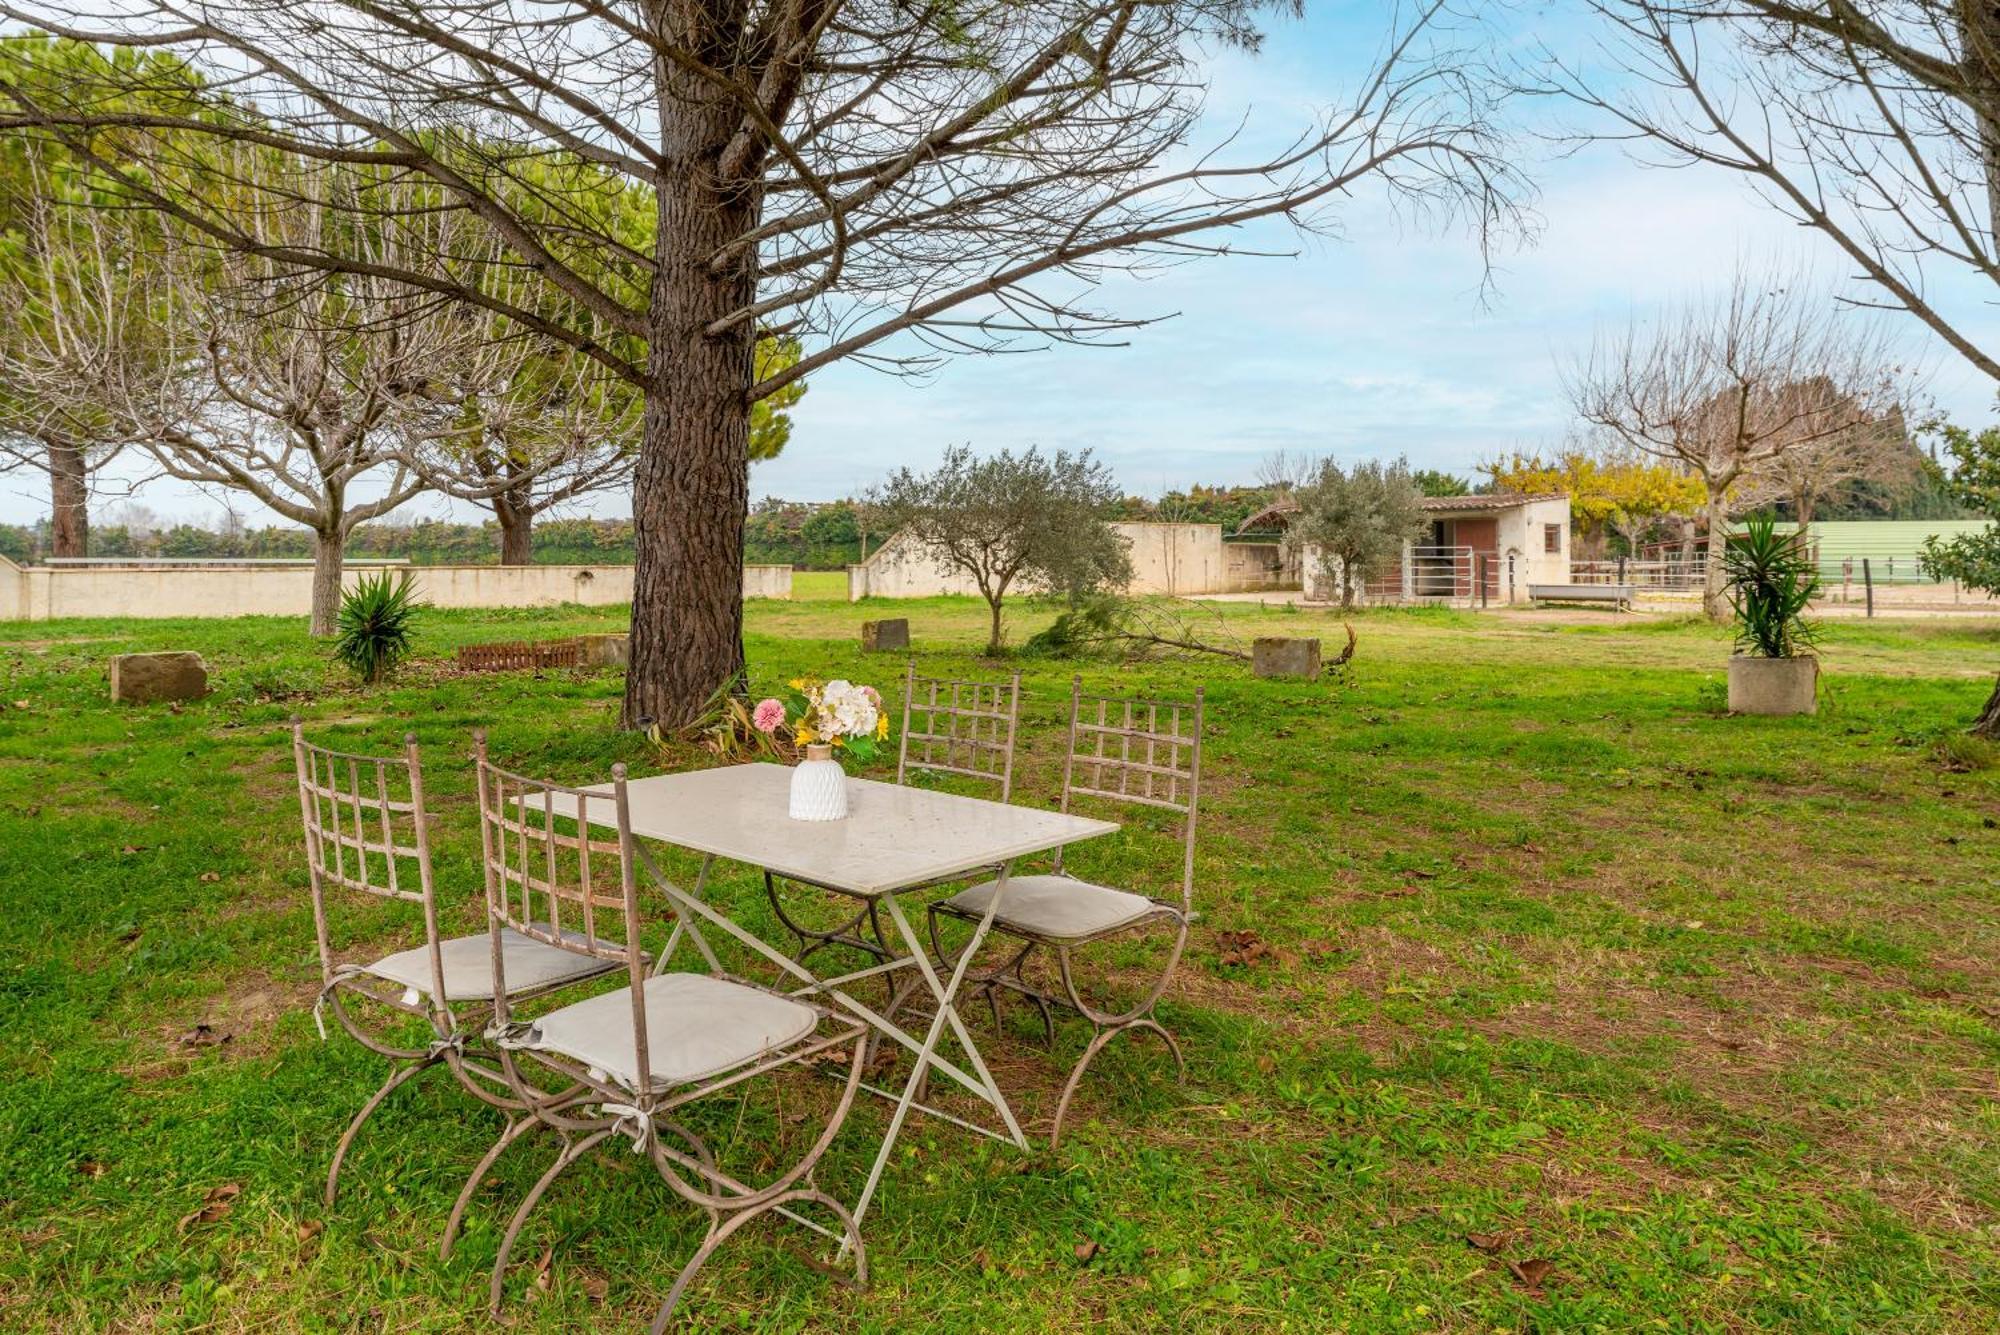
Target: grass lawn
{"x": 1699, "y": 1011}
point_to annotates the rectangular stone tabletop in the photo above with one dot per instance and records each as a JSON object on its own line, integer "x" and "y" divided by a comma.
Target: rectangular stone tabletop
{"x": 893, "y": 837}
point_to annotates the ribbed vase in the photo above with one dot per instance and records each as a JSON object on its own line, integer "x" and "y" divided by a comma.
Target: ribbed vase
{"x": 819, "y": 786}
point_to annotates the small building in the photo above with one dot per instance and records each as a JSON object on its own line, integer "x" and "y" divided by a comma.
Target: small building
{"x": 1483, "y": 548}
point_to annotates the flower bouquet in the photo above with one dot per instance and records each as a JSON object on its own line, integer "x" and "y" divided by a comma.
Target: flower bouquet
{"x": 824, "y": 718}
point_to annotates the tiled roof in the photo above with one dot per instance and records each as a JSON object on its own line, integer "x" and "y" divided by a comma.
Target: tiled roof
{"x": 1505, "y": 500}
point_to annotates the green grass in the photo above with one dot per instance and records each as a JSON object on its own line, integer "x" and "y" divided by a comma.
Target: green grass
{"x": 1701, "y": 1010}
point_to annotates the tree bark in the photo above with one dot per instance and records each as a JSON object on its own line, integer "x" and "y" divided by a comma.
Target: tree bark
{"x": 517, "y": 531}
{"x": 994, "y": 643}
{"x": 691, "y": 489}
{"x": 1988, "y": 723}
{"x": 69, "y": 499}
{"x": 1713, "y": 601}
{"x": 329, "y": 554}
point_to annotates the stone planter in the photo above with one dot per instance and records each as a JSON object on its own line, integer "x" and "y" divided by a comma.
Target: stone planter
{"x": 1773, "y": 685}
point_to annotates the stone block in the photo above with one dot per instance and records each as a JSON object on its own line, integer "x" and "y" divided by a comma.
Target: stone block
{"x": 607, "y": 651}
{"x": 884, "y": 635}
{"x": 1274, "y": 656}
{"x": 140, "y": 679}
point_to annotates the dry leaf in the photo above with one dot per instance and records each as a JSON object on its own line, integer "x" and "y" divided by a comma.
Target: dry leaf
{"x": 310, "y": 1229}
{"x": 1086, "y": 1251}
{"x": 595, "y": 1287}
{"x": 209, "y": 877}
{"x": 133, "y": 848}
{"x": 90, "y": 1168}
{"x": 1399, "y": 892}
{"x": 215, "y": 1206}
{"x": 1531, "y": 1272}
{"x": 203, "y": 1036}
{"x": 20, "y": 704}
{"x": 1242, "y": 947}
{"x": 1488, "y": 1242}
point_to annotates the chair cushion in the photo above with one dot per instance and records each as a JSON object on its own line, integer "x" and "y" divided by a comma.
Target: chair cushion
{"x": 1060, "y": 908}
{"x": 696, "y": 1027}
{"x": 468, "y": 965}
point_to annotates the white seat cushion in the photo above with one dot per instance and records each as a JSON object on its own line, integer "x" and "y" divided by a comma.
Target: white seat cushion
{"x": 1060, "y": 908}
{"x": 696, "y": 1027}
{"x": 468, "y": 965}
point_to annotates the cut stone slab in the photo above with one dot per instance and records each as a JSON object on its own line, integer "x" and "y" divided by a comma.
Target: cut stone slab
{"x": 893, "y": 633}
{"x": 607, "y": 651}
{"x": 143, "y": 679}
{"x": 1274, "y": 656}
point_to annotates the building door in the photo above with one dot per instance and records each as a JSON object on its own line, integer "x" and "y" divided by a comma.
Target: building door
{"x": 1483, "y": 537}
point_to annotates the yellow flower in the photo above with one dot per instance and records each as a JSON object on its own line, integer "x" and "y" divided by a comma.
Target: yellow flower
{"x": 882, "y": 728}
{"x": 798, "y": 683}
{"x": 803, "y": 734}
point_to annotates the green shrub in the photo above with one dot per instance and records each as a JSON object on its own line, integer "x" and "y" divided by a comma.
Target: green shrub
{"x": 372, "y": 633}
{"x": 1771, "y": 579}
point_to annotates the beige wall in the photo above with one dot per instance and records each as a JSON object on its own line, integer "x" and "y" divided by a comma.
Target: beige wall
{"x": 1175, "y": 559}
{"x": 195, "y": 591}
{"x": 13, "y": 592}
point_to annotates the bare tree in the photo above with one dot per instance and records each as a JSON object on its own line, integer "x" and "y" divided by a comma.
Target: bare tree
{"x": 77, "y": 342}
{"x": 885, "y": 182}
{"x": 1874, "y": 122}
{"x": 523, "y": 426}
{"x": 298, "y": 391}
{"x": 1719, "y": 388}
{"x": 1876, "y": 448}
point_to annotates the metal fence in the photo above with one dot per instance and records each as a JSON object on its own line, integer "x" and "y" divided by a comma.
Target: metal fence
{"x": 1442, "y": 575}
{"x": 1641, "y": 574}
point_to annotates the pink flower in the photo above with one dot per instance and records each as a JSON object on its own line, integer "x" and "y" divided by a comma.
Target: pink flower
{"x": 874, "y": 696}
{"x": 768, "y": 716}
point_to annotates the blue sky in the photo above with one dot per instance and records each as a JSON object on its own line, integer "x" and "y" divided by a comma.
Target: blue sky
{"x": 1375, "y": 343}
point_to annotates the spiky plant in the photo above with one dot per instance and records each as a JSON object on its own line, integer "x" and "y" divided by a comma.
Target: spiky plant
{"x": 372, "y": 632}
{"x": 1770, "y": 579}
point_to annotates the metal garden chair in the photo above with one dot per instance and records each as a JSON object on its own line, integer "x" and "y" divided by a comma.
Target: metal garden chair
{"x": 1142, "y": 752}
{"x": 367, "y": 831}
{"x": 966, "y": 728}
{"x": 633, "y": 1058}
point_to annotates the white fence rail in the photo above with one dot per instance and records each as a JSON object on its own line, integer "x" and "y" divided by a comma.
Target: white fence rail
{"x": 1640, "y": 574}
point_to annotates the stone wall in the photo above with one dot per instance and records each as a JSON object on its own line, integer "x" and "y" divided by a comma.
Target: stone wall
{"x": 1177, "y": 559}
{"x": 42, "y": 593}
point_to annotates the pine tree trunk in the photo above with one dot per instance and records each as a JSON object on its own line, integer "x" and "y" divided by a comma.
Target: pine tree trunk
{"x": 329, "y": 554}
{"x": 69, "y": 499}
{"x": 1988, "y": 723}
{"x": 517, "y": 532}
{"x": 691, "y": 489}
{"x": 1713, "y": 601}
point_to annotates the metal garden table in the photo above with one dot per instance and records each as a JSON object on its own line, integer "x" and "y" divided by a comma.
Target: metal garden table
{"x": 894, "y": 841}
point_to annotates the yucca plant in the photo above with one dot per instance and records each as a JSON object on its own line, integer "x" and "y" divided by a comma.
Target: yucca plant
{"x": 1771, "y": 579}
{"x": 372, "y": 632}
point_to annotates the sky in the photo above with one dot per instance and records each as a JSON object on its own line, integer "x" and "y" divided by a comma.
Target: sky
{"x": 1386, "y": 340}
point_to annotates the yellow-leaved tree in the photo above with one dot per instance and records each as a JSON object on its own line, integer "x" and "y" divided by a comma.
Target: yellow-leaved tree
{"x": 1607, "y": 494}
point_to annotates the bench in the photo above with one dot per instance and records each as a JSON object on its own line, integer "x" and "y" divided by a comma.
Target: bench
{"x": 1618, "y": 595}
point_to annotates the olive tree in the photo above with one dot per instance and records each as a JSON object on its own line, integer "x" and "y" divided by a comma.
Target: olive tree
{"x": 1012, "y": 523}
{"x": 1357, "y": 519}
{"x": 886, "y": 182}
{"x": 1973, "y": 559}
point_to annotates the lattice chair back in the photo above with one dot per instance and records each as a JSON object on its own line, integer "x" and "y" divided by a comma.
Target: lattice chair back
{"x": 960, "y": 727}
{"x": 366, "y": 832}
{"x": 548, "y": 879}
{"x": 1144, "y": 752}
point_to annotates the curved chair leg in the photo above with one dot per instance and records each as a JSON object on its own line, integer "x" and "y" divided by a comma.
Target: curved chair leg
{"x": 570, "y": 1154}
{"x": 389, "y": 1087}
{"x": 516, "y": 1128}
{"x": 721, "y": 1235}
{"x": 1098, "y": 1042}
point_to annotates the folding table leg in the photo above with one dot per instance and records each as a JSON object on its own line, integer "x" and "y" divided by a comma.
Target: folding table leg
{"x": 947, "y": 1014}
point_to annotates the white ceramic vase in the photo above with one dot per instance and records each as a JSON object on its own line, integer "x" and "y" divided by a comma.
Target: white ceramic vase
{"x": 819, "y": 786}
